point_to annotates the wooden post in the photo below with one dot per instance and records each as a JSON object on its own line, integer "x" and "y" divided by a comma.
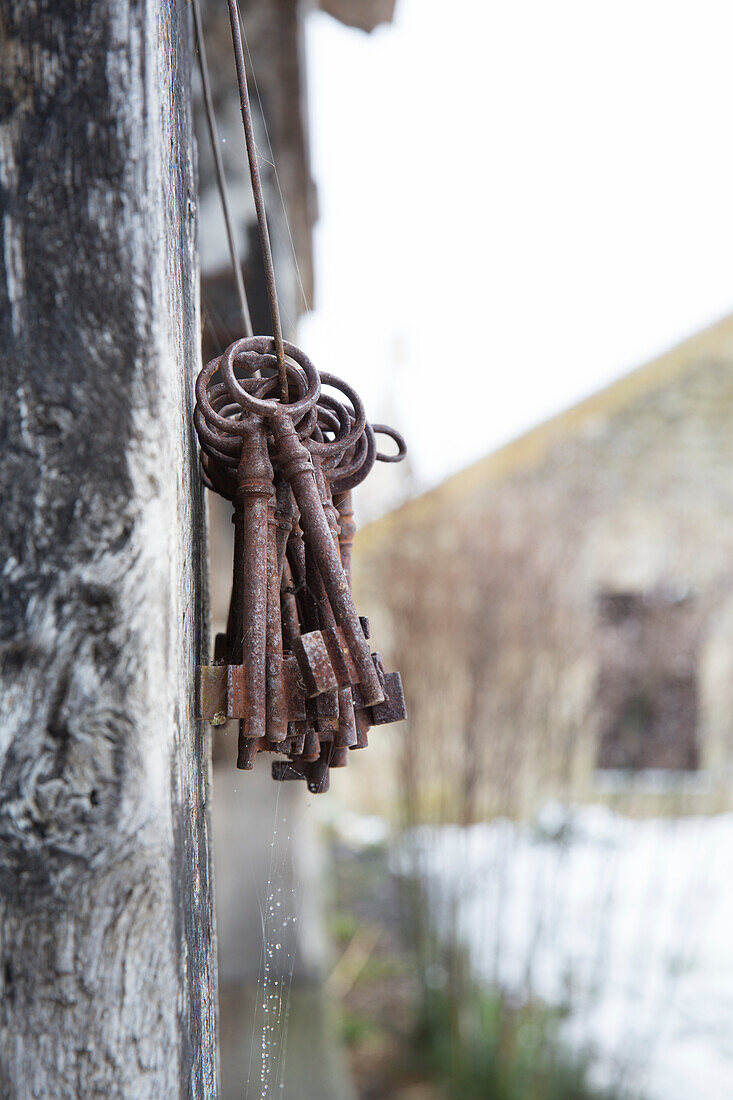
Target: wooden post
{"x": 107, "y": 953}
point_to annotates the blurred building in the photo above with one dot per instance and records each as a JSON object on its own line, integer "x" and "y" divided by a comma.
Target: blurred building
{"x": 562, "y": 611}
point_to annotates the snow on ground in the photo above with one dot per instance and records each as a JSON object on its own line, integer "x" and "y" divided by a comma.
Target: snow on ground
{"x": 627, "y": 923}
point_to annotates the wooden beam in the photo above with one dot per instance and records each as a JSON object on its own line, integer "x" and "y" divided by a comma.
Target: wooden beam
{"x": 107, "y": 953}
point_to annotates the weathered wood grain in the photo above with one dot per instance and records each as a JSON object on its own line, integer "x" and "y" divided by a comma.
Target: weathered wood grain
{"x": 107, "y": 963}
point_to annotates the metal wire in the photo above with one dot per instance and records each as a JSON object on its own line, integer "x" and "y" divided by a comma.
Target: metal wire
{"x": 219, "y": 167}
{"x": 254, "y": 173}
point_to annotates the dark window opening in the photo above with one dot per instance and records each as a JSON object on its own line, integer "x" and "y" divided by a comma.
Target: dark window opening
{"x": 647, "y": 690}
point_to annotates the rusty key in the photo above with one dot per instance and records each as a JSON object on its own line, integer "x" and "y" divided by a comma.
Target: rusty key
{"x": 249, "y": 641}
{"x": 276, "y": 710}
{"x": 297, "y": 467}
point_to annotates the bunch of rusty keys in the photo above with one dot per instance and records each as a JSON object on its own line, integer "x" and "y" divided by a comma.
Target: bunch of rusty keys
{"x": 294, "y": 665}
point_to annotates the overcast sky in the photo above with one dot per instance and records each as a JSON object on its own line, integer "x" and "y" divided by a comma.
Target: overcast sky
{"x": 519, "y": 201}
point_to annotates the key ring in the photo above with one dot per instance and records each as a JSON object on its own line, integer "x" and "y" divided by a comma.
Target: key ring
{"x": 357, "y": 415}
{"x": 231, "y": 427}
{"x": 391, "y": 433}
{"x": 264, "y": 345}
{"x": 346, "y": 478}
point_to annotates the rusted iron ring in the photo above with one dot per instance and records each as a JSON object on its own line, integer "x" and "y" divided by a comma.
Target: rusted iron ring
{"x": 264, "y": 345}
{"x": 346, "y": 478}
{"x": 391, "y": 433}
{"x": 208, "y": 397}
{"x": 331, "y": 450}
{"x": 357, "y": 414}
